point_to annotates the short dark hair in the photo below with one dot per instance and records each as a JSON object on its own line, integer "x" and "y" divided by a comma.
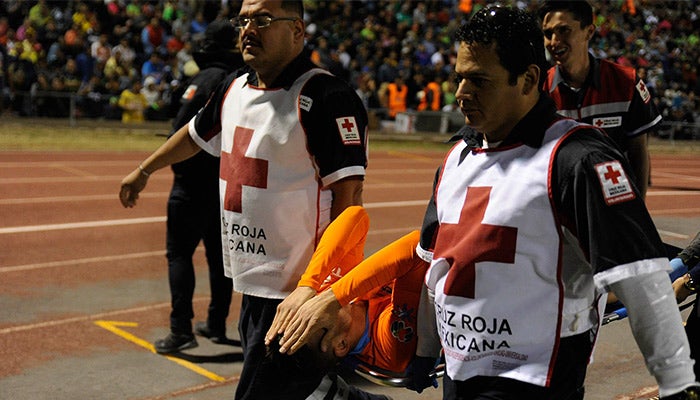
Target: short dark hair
{"x": 287, "y": 377}
{"x": 516, "y": 33}
{"x": 580, "y": 9}
{"x": 296, "y": 7}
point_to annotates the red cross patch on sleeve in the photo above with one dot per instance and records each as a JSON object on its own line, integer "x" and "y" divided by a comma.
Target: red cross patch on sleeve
{"x": 613, "y": 180}
{"x": 347, "y": 127}
{"x": 189, "y": 92}
{"x": 643, "y": 91}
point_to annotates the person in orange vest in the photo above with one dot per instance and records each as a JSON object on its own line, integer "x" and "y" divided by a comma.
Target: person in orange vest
{"x": 432, "y": 96}
{"x": 398, "y": 92}
{"x": 465, "y": 6}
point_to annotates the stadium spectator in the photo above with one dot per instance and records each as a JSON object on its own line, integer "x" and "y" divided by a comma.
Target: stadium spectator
{"x": 133, "y": 103}
{"x": 126, "y": 52}
{"x": 101, "y": 50}
{"x": 39, "y": 14}
{"x": 397, "y": 96}
{"x": 661, "y": 36}
{"x": 431, "y": 100}
{"x": 157, "y": 109}
{"x": 154, "y": 67}
{"x": 198, "y": 26}
{"x": 154, "y": 37}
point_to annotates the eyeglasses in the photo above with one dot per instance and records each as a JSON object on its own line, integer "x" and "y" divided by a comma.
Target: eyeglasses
{"x": 258, "y": 21}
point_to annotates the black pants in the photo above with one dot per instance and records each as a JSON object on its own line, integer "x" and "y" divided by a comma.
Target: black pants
{"x": 692, "y": 329}
{"x": 256, "y": 318}
{"x": 193, "y": 215}
{"x": 566, "y": 383}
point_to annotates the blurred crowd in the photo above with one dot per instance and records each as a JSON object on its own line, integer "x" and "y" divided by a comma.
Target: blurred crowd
{"x": 118, "y": 57}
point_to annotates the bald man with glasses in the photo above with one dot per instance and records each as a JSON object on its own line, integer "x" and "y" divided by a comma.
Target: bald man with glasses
{"x": 292, "y": 139}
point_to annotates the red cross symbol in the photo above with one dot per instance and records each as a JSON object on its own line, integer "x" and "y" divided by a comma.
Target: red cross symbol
{"x": 599, "y": 123}
{"x": 347, "y": 125}
{"x": 238, "y": 170}
{"x": 470, "y": 241}
{"x": 612, "y": 175}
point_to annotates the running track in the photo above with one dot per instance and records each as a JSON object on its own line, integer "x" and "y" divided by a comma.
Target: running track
{"x": 83, "y": 282}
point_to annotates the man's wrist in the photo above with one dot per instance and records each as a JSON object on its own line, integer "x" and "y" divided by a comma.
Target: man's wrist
{"x": 689, "y": 283}
{"x": 143, "y": 171}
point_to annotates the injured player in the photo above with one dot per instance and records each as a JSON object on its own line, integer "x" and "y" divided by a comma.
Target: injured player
{"x": 362, "y": 312}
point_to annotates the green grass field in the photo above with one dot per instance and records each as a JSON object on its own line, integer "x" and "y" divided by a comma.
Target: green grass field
{"x": 93, "y": 135}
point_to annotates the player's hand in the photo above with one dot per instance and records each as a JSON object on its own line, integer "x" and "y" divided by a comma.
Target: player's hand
{"x": 131, "y": 186}
{"x": 321, "y": 312}
{"x": 420, "y": 373}
{"x": 286, "y": 310}
{"x": 680, "y": 290}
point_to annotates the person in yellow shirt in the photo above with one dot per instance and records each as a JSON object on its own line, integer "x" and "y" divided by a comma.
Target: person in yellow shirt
{"x": 133, "y": 103}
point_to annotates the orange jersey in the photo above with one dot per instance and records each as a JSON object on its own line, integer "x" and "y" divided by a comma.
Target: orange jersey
{"x": 340, "y": 249}
{"x": 390, "y": 282}
{"x": 392, "y": 307}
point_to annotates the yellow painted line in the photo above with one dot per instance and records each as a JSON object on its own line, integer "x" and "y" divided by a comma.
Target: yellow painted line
{"x": 112, "y": 326}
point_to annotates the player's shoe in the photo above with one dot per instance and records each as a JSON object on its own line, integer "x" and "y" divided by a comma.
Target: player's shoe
{"x": 216, "y": 336}
{"x": 174, "y": 343}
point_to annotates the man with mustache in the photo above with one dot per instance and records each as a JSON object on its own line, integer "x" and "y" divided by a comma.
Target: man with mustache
{"x": 292, "y": 142}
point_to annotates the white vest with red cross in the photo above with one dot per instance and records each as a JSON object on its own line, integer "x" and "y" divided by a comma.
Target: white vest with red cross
{"x": 496, "y": 267}
{"x": 273, "y": 208}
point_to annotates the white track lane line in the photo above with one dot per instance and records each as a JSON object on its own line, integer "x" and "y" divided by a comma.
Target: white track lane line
{"x": 149, "y": 220}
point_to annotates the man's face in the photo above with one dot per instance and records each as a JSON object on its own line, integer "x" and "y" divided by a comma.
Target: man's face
{"x": 265, "y": 48}
{"x": 488, "y": 102}
{"x": 565, "y": 39}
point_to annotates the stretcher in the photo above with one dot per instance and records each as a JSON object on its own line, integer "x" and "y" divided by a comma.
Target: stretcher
{"x": 678, "y": 269}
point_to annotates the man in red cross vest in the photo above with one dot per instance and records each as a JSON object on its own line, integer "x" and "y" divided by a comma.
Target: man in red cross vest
{"x": 292, "y": 142}
{"x": 533, "y": 219}
{"x": 596, "y": 91}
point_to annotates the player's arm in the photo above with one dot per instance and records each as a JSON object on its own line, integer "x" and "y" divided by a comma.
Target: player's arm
{"x": 177, "y": 148}
{"x": 387, "y": 264}
{"x": 341, "y": 246}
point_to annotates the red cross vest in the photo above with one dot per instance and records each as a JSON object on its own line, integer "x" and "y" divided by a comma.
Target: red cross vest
{"x": 496, "y": 267}
{"x": 273, "y": 208}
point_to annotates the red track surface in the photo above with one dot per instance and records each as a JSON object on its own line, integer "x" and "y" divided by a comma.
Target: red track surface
{"x": 71, "y": 256}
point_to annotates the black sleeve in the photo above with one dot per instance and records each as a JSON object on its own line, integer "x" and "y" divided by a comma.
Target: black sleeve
{"x": 691, "y": 254}
{"x": 195, "y": 94}
{"x": 642, "y": 111}
{"x": 335, "y": 121}
{"x": 208, "y": 120}
{"x": 429, "y": 229}
{"x": 603, "y": 209}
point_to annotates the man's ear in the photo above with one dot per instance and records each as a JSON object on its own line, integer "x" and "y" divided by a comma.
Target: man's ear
{"x": 341, "y": 347}
{"x": 590, "y": 31}
{"x": 299, "y": 29}
{"x": 532, "y": 79}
